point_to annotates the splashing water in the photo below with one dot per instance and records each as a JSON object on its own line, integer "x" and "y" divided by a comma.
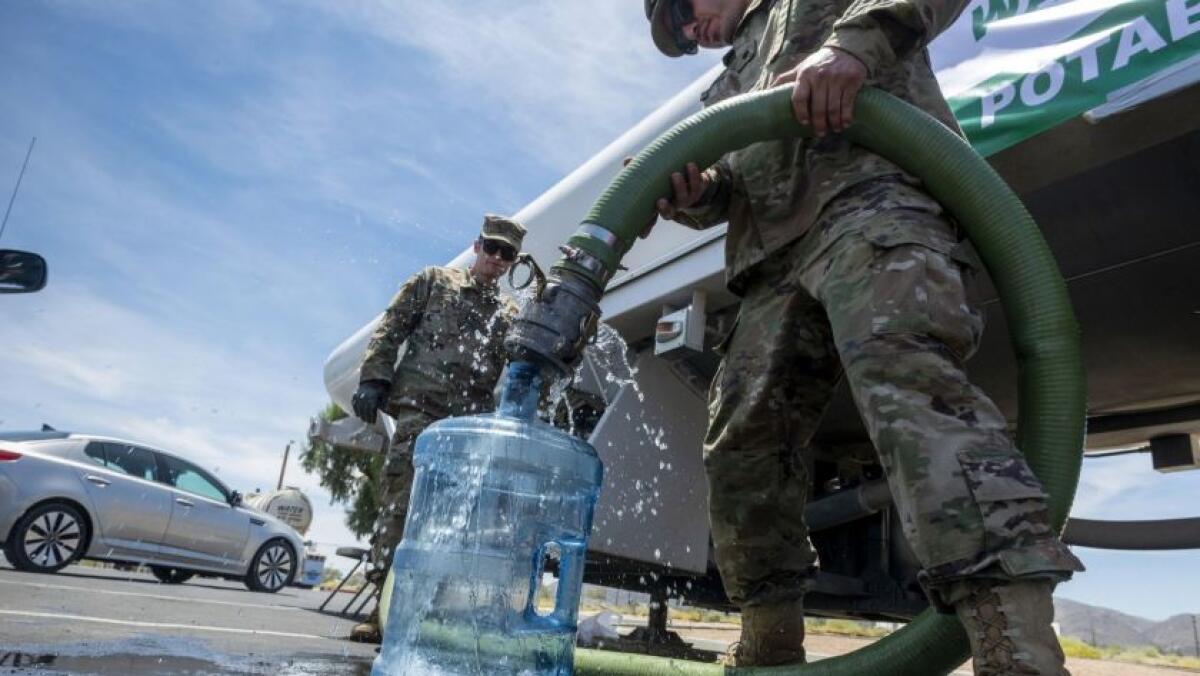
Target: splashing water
{"x": 608, "y": 362}
{"x": 609, "y": 355}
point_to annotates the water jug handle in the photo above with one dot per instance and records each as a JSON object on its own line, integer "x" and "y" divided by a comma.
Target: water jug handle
{"x": 570, "y": 565}
{"x": 570, "y": 559}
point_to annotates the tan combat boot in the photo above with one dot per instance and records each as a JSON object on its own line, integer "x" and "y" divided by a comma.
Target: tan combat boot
{"x": 367, "y": 631}
{"x": 771, "y": 635}
{"x": 1008, "y": 624}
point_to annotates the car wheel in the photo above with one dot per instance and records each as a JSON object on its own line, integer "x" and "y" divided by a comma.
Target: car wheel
{"x": 272, "y": 568}
{"x": 47, "y": 538}
{"x": 171, "y": 575}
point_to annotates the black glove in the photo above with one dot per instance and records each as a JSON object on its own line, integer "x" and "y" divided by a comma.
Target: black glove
{"x": 370, "y": 397}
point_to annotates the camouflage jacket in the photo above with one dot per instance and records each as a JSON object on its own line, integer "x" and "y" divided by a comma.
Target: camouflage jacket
{"x": 454, "y": 332}
{"x": 772, "y": 192}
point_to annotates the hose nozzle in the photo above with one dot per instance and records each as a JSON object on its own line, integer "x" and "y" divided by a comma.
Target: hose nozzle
{"x": 555, "y": 325}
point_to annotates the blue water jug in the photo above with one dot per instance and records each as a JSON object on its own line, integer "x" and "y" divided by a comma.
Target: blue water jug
{"x": 498, "y": 502}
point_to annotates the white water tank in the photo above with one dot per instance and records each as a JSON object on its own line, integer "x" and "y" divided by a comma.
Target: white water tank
{"x": 288, "y": 505}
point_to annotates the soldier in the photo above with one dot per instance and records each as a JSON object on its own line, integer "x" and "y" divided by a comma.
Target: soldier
{"x": 848, "y": 268}
{"x": 453, "y": 321}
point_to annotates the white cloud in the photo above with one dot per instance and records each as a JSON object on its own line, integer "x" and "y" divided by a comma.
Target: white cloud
{"x": 70, "y": 371}
{"x": 89, "y": 364}
{"x": 569, "y": 75}
{"x": 1105, "y": 479}
{"x": 1127, "y": 488}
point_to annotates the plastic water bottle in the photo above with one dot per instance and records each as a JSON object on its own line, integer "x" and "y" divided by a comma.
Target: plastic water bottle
{"x": 498, "y": 502}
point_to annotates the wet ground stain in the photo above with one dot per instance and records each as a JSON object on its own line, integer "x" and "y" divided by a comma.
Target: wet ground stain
{"x": 15, "y": 662}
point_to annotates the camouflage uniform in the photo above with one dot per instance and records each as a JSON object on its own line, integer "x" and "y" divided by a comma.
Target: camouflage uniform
{"x": 454, "y": 330}
{"x": 847, "y": 267}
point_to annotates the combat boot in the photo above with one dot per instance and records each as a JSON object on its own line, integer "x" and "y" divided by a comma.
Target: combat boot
{"x": 771, "y": 635}
{"x": 1008, "y": 624}
{"x": 367, "y": 631}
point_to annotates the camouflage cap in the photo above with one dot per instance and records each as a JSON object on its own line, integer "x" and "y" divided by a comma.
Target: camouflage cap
{"x": 659, "y": 14}
{"x": 503, "y": 229}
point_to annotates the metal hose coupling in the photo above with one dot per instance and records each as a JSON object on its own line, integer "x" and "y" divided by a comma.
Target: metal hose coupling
{"x": 556, "y": 324}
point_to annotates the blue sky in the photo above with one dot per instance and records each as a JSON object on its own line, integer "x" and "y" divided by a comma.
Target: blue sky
{"x": 226, "y": 190}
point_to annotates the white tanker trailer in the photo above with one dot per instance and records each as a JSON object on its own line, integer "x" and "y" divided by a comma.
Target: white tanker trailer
{"x": 289, "y": 505}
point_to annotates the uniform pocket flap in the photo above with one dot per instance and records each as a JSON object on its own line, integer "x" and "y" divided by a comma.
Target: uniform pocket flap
{"x": 1048, "y": 559}
{"x": 909, "y": 226}
{"x": 992, "y": 477}
{"x": 912, "y": 227}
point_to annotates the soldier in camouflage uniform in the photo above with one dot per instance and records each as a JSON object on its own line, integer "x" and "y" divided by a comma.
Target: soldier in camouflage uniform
{"x": 452, "y": 322}
{"x": 848, "y": 268}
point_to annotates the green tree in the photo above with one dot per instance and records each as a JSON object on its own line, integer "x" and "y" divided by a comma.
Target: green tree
{"x": 332, "y": 574}
{"x": 349, "y": 476}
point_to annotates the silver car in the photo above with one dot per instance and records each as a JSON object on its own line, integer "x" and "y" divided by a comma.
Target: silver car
{"x": 64, "y": 497}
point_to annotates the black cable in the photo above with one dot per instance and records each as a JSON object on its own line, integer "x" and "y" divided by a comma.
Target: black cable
{"x": 1109, "y": 454}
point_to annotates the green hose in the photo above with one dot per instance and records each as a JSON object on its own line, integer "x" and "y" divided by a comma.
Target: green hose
{"x": 1041, "y": 324}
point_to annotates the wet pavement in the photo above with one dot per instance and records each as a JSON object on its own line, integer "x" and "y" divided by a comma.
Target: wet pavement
{"x": 87, "y": 620}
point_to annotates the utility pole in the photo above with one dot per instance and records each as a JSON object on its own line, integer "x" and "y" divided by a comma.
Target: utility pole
{"x": 283, "y": 467}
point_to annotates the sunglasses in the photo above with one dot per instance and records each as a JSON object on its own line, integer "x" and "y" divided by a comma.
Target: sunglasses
{"x": 681, "y": 13}
{"x": 491, "y": 247}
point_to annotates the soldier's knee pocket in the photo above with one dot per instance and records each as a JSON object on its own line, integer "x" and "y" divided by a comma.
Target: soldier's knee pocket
{"x": 918, "y": 290}
{"x": 1012, "y": 503}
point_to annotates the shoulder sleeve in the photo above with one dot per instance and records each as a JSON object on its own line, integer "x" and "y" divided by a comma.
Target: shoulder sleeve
{"x": 881, "y": 32}
{"x": 398, "y": 322}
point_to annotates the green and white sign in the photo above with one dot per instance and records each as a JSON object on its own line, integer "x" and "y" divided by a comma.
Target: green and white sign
{"x": 1013, "y": 68}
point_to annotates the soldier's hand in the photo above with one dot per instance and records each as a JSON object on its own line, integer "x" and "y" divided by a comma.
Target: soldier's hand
{"x": 688, "y": 187}
{"x": 654, "y": 217}
{"x": 369, "y": 398}
{"x": 824, "y": 88}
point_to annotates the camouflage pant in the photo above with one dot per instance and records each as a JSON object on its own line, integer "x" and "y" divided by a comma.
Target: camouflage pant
{"x": 876, "y": 296}
{"x": 395, "y": 485}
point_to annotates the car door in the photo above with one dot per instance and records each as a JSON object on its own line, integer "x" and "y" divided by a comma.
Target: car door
{"x": 132, "y": 509}
{"x": 205, "y": 530}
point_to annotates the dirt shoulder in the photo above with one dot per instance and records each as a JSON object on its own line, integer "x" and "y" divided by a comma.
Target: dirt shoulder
{"x": 832, "y": 645}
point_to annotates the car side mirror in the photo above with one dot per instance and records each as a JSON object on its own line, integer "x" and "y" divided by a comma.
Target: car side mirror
{"x": 235, "y": 499}
{"x": 21, "y": 271}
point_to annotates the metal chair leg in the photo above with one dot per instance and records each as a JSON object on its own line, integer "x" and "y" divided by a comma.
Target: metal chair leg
{"x": 373, "y": 595}
{"x": 357, "y": 594}
{"x": 340, "y": 585}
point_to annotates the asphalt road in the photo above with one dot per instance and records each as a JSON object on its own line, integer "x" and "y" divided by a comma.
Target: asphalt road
{"x": 93, "y": 621}
{"x": 87, "y": 620}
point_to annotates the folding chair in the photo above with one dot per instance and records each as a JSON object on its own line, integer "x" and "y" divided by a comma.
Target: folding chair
{"x": 370, "y": 588}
